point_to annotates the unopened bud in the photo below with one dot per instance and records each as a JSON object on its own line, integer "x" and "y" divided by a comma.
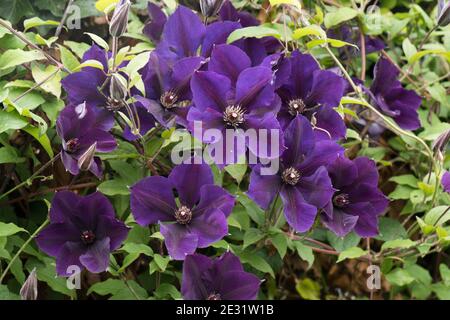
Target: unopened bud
{"x": 440, "y": 145}
{"x": 443, "y": 14}
{"x": 87, "y": 158}
{"x": 210, "y": 8}
{"x": 29, "y": 290}
{"x": 118, "y": 87}
{"x": 119, "y": 21}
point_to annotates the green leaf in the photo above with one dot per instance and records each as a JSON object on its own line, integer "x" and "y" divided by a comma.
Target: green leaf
{"x": 304, "y": 252}
{"x": 14, "y": 10}
{"x": 68, "y": 58}
{"x": 399, "y": 277}
{"x": 8, "y": 229}
{"x": 351, "y": 100}
{"x": 339, "y": 16}
{"x": 167, "y": 290}
{"x": 42, "y": 139}
{"x": 110, "y": 286}
{"x": 255, "y": 212}
{"x": 253, "y": 32}
{"x": 437, "y": 216}
{"x": 161, "y": 261}
{"x": 5, "y": 294}
{"x": 351, "y": 253}
{"x": 274, "y": 3}
{"x": 89, "y": 63}
{"x": 342, "y": 243}
{"x": 280, "y": 243}
{"x": 52, "y": 77}
{"x": 256, "y": 262}
{"x": 37, "y": 22}
{"x": 421, "y": 54}
{"x": 398, "y": 243}
{"x": 312, "y": 30}
{"x": 101, "y": 5}
{"x": 406, "y": 179}
{"x": 401, "y": 192}
{"x": 16, "y": 57}
{"x": 408, "y": 48}
{"x": 237, "y": 171}
{"x": 252, "y": 236}
{"x": 132, "y": 291}
{"x": 11, "y": 121}
{"x": 99, "y": 41}
{"x": 47, "y": 274}
{"x": 9, "y": 155}
{"x": 114, "y": 187}
{"x": 390, "y": 229}
{"x": 308, "y": 289}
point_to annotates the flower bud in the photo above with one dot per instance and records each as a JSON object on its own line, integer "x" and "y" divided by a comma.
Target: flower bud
{"x": 29, "y": 290}
{"x": 119, "y": 21}
{"x": 117, "y": 87}
{"x": 87, "y": 158}
{"x": 443, "y": 14}
{"x": 440, "y": 145}
{"x": 210, "y": 8}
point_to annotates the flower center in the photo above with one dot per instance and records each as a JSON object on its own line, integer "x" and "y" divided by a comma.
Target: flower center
{"x": 290, "y": 176}
{"x": 296, "y": 106}
{"x": 234, "y": 115}
{"x": 214, "y": 296}
{"x": 183, "y": 215}
{"x": 87, "y": 237}
{"x": 341, "y": 200}
{"x": 168, "y": 99}
{"x": 72, "y": 145}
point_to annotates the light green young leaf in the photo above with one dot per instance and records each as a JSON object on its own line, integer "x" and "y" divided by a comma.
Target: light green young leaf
{"x": 339, "y": 16}
{"x": 253, "y": 32}
{"x": 37, "y": 22}
{"x": 351, "y": 253}
{"x": 16, "y": 57}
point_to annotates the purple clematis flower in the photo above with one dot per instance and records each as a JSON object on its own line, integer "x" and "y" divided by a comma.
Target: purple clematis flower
{"x": 82, "y": 232}
{"x": 232, "y": 95}
{"x": 84, "y": 86}
{"x": 167, "y": 90}
{"x": 155, "y": 25}
{"x": 313, "y": 93}
{"x": 391, "y": 98}
{"x": 83, "y": 130}
{"x": 185, "y": 35}
{"x": 302, "y": 180}
{"x": 198, "y": 220}
{"x": 223, "y": 278}
{"x": 357, "y": 202}
{"x": 446, "y": 181}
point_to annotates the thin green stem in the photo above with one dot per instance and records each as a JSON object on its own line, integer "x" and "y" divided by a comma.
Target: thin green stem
{"x": 32, "y": 177}
{"x": 23, "y": 248}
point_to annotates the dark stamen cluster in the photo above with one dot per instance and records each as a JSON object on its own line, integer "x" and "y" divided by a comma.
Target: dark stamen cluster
{"x": 234, "y": 115}
{"x": 72, "y": 145}
{"x": 341, "y": 200}
{"x": 214, "y": 296}
{"x": 168, "y": 99}
{"x": 87, "y": 237}
{"x": 183, "y": 215}
{"x": 296, "y": 107}
{"x": 290, "y": 176}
